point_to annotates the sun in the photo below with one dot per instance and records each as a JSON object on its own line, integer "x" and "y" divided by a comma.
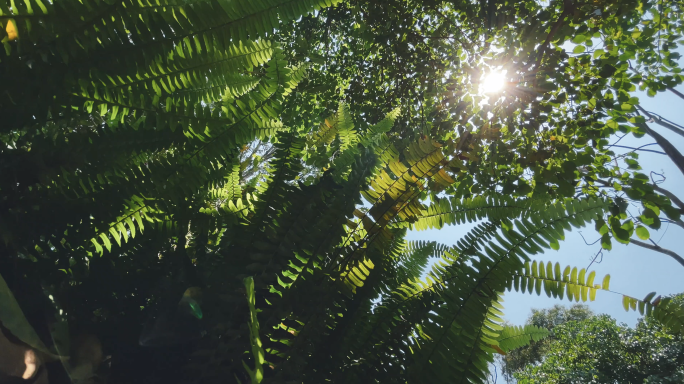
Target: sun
{"x": 493, "y": 82}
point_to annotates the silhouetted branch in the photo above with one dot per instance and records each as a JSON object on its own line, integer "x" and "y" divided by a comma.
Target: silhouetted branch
{"x": 676, "y": 92}
{"x": 661, "y": 121}
{"x": 665, "y": 144}
{"x": 660, "y": 249}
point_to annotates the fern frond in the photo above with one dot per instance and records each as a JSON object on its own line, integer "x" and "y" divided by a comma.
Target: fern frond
{"x": 70, "y": 29}
{"x": 664, "y": 310}
{"x": 457, "y": 211}
{"x": 578, "y": 285}
{"x": 374, "y": 139}
{"x": 345, "y": 128}
{"x": 124, "y": 226}
{"x": 513, "y": 337}
{"x": 393, "y": 197}
{"x": 230, "y": 191}
{"x": 449, "y": 332}
{"x": 107, "y": 58}
{"x": 339, "y": 125}
{"x": 575, "y": 285}
{"x": 377, "y": 130}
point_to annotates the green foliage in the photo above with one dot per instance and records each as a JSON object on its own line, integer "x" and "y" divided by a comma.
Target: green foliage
{"x": 514, "y": 337}
{"x": 127, "y": 127}
{"x": 598, "y": 349}
{"x": 534, "y": 352}
{"x": 558, "y": 314}
{"x": 667, "y": 311}
{"x": 576, "y": 285}
{"x": 456, "y": 211}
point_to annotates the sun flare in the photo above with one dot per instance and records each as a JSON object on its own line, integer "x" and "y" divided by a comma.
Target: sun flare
{"x": 493, "y": 82}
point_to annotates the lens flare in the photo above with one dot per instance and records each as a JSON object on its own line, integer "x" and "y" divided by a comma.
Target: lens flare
{"x": 493, "y": 82}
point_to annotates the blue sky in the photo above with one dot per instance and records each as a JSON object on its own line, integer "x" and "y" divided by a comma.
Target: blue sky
{"x": 634, "y": 271}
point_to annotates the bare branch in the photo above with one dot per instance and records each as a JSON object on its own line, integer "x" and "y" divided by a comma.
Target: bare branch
{"x": 660, "y": 249}
{"x": 678, "y": 223}
{"x": 638, "y": 149}
{"x": 661, "y": 121}
{"x": 676, "y": 92}
{"x": 665, "y": 144}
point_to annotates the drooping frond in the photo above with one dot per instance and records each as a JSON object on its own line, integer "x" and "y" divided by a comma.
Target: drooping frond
{"x": 345, "y": 127}
{"x": 461, "y": 302}
{"x": 578, "y": 285}
{"x": 575, "y": 285}
{"x": 390, "y": 198}
{"x": 301, "y": 283}
{"x": 475, "y": 239}
{"x": 408, "y": 261}
{"x": 231, "y": 190}
{"x": 172, "y": 97}
{"x": 664, "y": 310}
{"x": 136, "y": 210}
{"x": 392, "y": 195}
{"x": 514, "y": 337}
{"x": 253, "y": 116}
{"x": 113, "y": 58}
{"x": 470, "y": 308}
{"x": 415, "y": 255}
{"x": 457, "y": 211}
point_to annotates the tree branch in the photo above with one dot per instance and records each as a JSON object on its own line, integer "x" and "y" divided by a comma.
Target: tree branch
{"x": 656, "y": 188}
{"x": 638, "y": 149}
{"x": 665, "y": 144}
{"x": 671, "y": 195}
{"x": 678, "y": 223}
{"x": 676, "y": 92}
{"x": 660, "y": 249}
{"x": 661, "y": 122}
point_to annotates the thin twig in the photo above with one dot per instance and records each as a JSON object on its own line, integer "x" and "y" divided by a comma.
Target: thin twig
{"x": 599, "y": 253}
{"x": 640, "y": 149}
{"x": 678, "y": 223}
{"x": 661, "y": 190}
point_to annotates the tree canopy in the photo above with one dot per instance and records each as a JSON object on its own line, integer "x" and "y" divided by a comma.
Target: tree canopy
{"x": 599, "y": 350}
{"x": 535, "y": 352}
{"x": 220, "y": 191}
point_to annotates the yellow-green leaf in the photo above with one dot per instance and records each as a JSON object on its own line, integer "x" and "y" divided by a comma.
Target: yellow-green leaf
{"x": 642, "y": 232}
{"x": 606, "y": 283}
